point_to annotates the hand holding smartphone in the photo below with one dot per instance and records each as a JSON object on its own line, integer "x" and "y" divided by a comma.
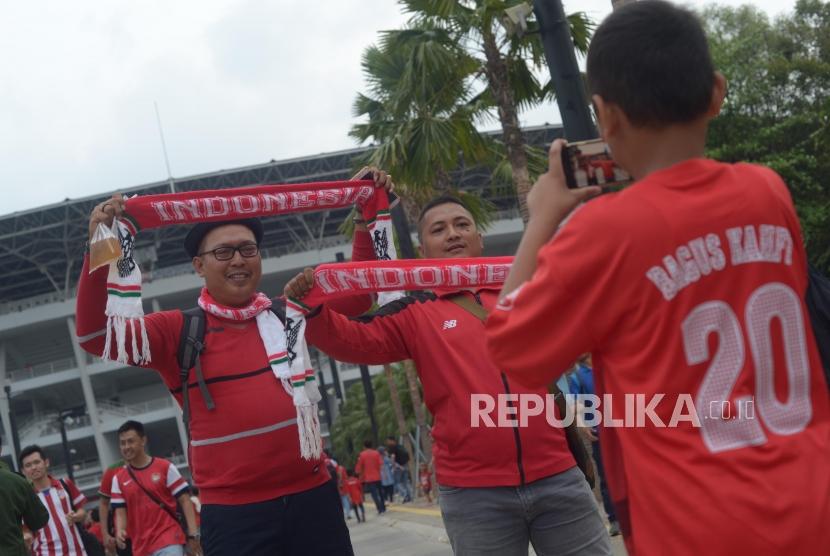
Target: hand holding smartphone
{"x": 589, "y": 163}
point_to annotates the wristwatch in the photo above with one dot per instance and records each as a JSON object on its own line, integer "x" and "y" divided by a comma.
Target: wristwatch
{"x": 197, "y": 536}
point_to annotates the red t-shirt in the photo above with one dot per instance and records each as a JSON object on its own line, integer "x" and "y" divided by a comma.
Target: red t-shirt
{"x": 368, "y": 465}
{"x": 59, "y": 537}
{"x": 151, "y": 527}
{"x": 355, "y": 490}
{"x": 105, "y": 489}
{"x": 690, "y": 284}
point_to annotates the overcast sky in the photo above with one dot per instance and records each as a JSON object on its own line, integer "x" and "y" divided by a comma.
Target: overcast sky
{"x": 237, "y": 82}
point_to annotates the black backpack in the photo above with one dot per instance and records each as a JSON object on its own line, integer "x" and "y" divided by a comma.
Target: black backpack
{"x": 191, "y": 345}
{"x": 818, "y": 304}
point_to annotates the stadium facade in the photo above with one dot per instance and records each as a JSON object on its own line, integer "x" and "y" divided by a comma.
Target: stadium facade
{"x": 50, "y": 384}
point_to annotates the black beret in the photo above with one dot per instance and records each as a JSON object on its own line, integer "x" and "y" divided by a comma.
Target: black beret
{"x": 199, "y": 231}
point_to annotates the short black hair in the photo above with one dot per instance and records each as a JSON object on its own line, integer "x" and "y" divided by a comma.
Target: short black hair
{"x": 437, "y": 201}
{"x": 28, "y": 451}
{"x": 132, "y": 426}
{"x": 651, "y": 59}
{"x": 392, "y": 438}
{"x": 95, "y": 515}
{"x": 367, "y": 443}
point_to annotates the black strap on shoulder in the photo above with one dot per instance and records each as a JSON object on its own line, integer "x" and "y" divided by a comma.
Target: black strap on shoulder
{"x": 68, "y": 494}
{"x": 191, "y": 345}
{"x": 152, "y": 496}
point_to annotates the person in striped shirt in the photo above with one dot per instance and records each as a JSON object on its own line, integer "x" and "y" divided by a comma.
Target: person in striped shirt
{"x": 63, "y": 500}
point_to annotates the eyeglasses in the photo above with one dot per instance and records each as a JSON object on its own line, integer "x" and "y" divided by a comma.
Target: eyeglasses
{"x": 226, "y": 253}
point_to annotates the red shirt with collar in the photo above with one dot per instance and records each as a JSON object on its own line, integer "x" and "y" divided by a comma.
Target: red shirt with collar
{"x": 59, "y": 537}
{"x": 446, "y": 342}
{"x": 150, "y": 526}
{"x": 690, "y": 283}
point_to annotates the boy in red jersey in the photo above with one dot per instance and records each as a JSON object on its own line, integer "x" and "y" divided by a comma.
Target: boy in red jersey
{"x": 688, "y": 288}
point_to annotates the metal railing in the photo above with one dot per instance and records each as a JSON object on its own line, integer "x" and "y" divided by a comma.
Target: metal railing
{"x": 131, "y": 410}
{"x": 43, "y": 369}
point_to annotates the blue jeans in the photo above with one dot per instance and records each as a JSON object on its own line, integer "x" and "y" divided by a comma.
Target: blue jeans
{"x": 603, "y": 485}
{"x": 171, "y": 550}
{"x": 347, "y": 504}
{"x": 377, "y": 496}
{"x": 558, "y": 515}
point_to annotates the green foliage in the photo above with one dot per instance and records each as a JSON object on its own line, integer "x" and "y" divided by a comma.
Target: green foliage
{"x": 428, "y": 91}
{"x": 777, "y": 111}
{"x": 352, "y": 426}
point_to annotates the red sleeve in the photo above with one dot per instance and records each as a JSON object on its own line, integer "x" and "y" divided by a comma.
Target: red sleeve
{"x": 163, "y": 328}
{"x": 105, "y": 489}
{"x": 540, "y": 329}
{"x": 77, "y": 497}
{"x": 362, "y": 250}
{"x": 358, "y": 468}
{"x": 369, "y": 341}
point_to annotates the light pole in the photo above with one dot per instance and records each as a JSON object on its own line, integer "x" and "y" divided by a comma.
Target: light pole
{"x": 66, "y": 417}
{"x": 564, "y": 71}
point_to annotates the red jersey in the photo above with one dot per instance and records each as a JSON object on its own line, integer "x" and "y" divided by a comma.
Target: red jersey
{"x": 105, "y": 489}
{"x": 368, "y": 465}
{"x": 447, "y": 344}
{"x": 151, "y": 527}
{"x": 355, "y": 489}
{"x": 253, "y": 414}
{"x": 690, "y": 284}
{"x": 342, "y": 477}
{"x": 59, "y": 537}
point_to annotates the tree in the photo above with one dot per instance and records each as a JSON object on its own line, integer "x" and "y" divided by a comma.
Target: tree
{"x": 777, "y": 111}
{"x": 352, "y": 426}
{"x": 448, "y": 70}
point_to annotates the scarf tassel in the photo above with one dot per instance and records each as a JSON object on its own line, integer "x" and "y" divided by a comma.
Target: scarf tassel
{"x": 117, "y": 331}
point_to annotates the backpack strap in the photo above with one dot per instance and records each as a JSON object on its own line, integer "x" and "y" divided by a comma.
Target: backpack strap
{"x": 191, "y": 345}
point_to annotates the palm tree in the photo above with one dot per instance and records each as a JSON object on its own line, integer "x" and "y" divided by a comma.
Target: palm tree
{"x": 448, "y": 70}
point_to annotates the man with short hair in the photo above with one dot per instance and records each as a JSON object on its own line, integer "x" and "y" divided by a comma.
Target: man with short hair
{"x": 64, "y": 502}
{"x": 18, "y": 504}
{"x": 239, "y": 407}
{"x": 144, "y": 493}
{"x": 368, "y": 469}
{"x": 501, "y": 488}
{"x": 400, "y": 458}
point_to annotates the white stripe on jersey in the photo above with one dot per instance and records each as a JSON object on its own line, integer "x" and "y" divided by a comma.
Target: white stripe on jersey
{"x": 57, "y": 525}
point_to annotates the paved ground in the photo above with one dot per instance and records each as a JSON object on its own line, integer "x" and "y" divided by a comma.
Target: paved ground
{"x": 411, "y": 530}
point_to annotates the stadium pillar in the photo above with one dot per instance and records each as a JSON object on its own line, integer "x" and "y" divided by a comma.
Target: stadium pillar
{"x": 564, "y": 71}
{"x": 9, "y": 430}
{"x": 104, "y": 453}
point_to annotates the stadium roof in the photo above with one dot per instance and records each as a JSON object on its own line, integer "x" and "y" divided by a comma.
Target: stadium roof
{"x": 41, "y": 249}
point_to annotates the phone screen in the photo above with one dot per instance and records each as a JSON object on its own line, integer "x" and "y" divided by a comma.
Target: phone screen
{"x": 590, "y": 163}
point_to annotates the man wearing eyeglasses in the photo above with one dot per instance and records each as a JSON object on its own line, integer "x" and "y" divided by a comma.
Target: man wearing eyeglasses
{"x": 258, "y": 495}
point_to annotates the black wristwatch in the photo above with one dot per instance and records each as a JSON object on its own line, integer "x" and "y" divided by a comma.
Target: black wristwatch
{"x": 195, "y": 537}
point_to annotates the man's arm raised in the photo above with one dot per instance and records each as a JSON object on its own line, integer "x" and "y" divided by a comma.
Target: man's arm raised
{"x": 372, "y": 340}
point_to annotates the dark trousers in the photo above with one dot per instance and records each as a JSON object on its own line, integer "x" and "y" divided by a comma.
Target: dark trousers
{"x": 388, "y": 492}
{"x": 374, "y": 489}
{"x": 603, "y": 484}
{"x": 359, "y": 512}
{"x": 309, "y": 522}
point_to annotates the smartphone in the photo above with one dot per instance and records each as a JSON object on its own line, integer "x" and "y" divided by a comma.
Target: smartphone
{"x": 590, "y": 163}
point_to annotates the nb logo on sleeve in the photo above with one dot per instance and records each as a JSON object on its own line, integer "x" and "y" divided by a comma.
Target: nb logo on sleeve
{"x": 449, "y": 324}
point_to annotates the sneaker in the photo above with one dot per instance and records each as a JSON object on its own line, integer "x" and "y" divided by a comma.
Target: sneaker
{"x": 614, "y": 529}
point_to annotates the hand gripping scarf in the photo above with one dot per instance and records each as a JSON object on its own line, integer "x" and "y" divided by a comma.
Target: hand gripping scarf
{"x": 124, "y": 304}
{"x": 332, "y": 281}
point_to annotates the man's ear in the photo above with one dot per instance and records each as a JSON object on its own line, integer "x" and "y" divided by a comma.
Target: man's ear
{"x": 421, "y": 250}
{"x": 481, "y": 241}
{"x": 199, "y": 266}
{"x": 719, "y": 90}
{"x": 609, "y": 117}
